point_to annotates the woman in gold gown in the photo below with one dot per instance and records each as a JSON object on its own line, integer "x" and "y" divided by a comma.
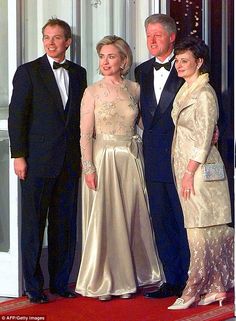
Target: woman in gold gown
{"x": 205, "y": 201}
{"x": 118, "y": 247}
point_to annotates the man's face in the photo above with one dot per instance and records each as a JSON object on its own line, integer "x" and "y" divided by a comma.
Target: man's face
{"x": 159, "y": 42}
{"x": 55, "y": 43}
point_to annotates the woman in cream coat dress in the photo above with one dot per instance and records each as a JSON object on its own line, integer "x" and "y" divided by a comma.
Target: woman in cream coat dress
{"x": 206, "y": 204}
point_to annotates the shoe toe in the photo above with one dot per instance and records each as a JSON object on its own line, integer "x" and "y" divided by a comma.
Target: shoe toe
{"x": 67, "y": 294}
{"x": 38, "y": 299}
{"x": 64, "y": 293}
{"x": 126, "y": 296}
{"x": 105, "y": 297}
{"x": 152, "y": 295}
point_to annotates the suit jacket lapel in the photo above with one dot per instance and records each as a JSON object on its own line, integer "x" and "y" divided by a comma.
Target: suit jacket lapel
{"x": 168, "y": 94}
{"x": 170, "y": 89}
{"x": 74, "y": 90}
{"x": 50, "y": 82}
{"x": 148, "y": 93}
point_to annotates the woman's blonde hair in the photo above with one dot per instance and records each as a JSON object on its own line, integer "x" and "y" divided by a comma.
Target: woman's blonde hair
{"x": 122, "y": 46}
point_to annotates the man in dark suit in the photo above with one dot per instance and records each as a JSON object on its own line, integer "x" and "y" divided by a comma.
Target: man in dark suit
{"x": 44, "y": 137}
{"x": 159, "y": 85}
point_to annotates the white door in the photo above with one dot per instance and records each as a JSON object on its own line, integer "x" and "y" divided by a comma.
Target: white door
{"x": 10, "y": 270}
{"x": 10, "y": 267}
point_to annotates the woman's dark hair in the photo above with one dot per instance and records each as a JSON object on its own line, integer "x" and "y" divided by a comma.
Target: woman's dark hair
{"x": 198, "y": 48}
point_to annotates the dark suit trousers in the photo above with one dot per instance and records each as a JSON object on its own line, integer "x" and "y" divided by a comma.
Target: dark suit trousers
{"x": 170, "y": 234}
{"x": 55, "y": 199}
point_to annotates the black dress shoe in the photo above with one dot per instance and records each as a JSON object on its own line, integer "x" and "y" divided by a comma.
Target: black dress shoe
{"x": 64, "y": 293}
{"x": 40, "y": 298}
{"x": 166, "y": 290}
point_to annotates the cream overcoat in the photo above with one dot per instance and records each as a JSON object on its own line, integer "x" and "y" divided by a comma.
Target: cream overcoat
{"x": 195, "y": 114}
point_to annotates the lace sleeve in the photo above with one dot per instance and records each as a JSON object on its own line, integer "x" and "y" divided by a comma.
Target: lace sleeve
{"x": 87, "y": 130}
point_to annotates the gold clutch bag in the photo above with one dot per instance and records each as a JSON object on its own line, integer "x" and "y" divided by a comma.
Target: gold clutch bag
{"x": 213, "y": 172}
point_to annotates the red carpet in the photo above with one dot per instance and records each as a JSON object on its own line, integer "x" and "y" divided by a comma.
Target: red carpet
{"x": 88, "y": 309}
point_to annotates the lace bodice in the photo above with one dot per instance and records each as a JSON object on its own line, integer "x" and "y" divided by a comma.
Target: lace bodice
{"x": 107, "y": 108}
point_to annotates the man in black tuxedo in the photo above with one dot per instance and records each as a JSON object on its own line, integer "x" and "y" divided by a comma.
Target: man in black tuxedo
{"x": 44, "y": 136}
{"x": 159, "y": 84}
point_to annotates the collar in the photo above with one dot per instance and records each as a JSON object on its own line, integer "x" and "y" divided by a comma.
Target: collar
{"x": 51, "y": 60}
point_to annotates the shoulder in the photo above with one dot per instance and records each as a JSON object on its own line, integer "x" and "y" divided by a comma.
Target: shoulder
{"x": 30, "y": 65}
{"x": 27, "y": 70}
{"x": 143, "y": 69}
{"x": 131, "y": 84}
{"x": 143, "y": 66}
{"x": 206, "y": 92}
{"x": 77, "y": 66}
{"x": 92, "y": 89}
{"x": 95, "y": 86}
{"x": 133, "y": 88}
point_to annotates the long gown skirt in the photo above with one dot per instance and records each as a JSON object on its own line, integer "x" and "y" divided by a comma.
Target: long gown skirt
{"x": 119, "y": 250}
{"x": 212, "y": 260}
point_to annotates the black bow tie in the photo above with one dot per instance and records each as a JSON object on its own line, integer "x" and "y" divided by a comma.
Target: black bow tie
{"x": 65, "y": 65}
{"x": 166, "y": 65}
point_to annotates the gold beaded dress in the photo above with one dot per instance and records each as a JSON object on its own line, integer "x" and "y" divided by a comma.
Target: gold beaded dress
{"x": 119, "y": 252}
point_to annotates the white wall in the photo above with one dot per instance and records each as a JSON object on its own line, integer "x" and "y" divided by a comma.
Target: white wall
{"x": 124, "y": 18}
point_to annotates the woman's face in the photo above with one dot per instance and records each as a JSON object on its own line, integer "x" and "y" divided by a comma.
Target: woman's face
{"x": 110, "y": 61}
{"x": 187, "y": 65}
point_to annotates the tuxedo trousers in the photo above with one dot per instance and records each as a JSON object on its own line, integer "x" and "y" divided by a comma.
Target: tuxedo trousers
{"x": 52, "y": 200}
{"x": 170, "y": 234}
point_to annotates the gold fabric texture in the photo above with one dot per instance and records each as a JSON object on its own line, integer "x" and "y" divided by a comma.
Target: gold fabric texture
{"x": 119, "y": 251}
{"x": 195, "y": 114}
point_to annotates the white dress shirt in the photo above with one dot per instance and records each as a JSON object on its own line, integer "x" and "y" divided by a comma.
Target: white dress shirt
{"x": 160, "y": 77}
{"x": 62, "y": 79}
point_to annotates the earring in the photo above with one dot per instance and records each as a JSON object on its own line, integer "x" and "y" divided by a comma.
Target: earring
{"x": 122, "y": 67}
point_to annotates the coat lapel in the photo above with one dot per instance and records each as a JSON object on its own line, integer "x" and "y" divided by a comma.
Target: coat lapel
{"x": 73, "y": 79}
{"x": 187, "y": 96}
{"x": 147, "y": 92}
{"x": 170, "y": 89}
{"x": 187, "y": 102}
{"x": 51, "y": 84}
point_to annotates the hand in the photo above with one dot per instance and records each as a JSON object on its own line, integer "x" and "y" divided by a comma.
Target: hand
{"x": 20, "y": 167}
{"x": 187, "y": 186}
{"x": 91, "y": 181}
{"x": 215, "y": 136}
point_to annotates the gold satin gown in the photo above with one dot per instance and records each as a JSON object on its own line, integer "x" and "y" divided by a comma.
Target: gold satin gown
{"x": 119, "y": 252}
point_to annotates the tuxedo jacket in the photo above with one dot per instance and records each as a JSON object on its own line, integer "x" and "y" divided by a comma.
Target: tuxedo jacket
{"x": 39, "y": 128}
{"x": 157, "y": 121}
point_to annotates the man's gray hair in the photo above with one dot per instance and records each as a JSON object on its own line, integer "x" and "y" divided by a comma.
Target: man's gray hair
{"x": 166, "y": 21}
